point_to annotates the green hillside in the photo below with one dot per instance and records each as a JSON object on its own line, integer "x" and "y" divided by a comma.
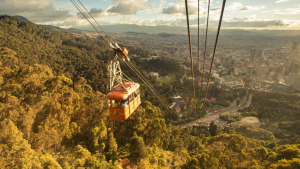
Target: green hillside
{"x": 75, "y": 57}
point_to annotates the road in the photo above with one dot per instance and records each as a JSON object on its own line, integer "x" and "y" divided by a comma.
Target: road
{"x": 209, "y": 118}
{"x": 181, "y": 80}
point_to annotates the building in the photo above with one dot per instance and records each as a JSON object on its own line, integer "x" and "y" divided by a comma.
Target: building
{"x": 213, "y": 110}
{"x": 272, "y": 75}
{"x": 263, "y": 70}
{"x": 260, "y": 53}
{"x": 291, "y": 79}
{"x": 151, "y": 58}
{"x": 234, "y": 85}
{"x": 178, "y": 106}
{"x": 125, "y": 163}
{"x": 290, "y": 58}
{"x": 296, "y": 86}
{"x": 215, "y": 75}
{"x": 219, "y": 80}
{"x": 295, "y": 68}
{"x": 236, "y": 71}
{"x": 176, "y": 98}
{"x": 252, "y": 55}
{"x": 201, "y": 123}
{"x": 250, "y": 70}
{"x": 154, "y": 74}
{"x": 281, "y": 87}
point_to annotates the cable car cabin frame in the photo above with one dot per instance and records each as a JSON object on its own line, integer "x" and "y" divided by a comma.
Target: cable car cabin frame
{"x": 122, "y": 104}
{"x": 124, "y": 97}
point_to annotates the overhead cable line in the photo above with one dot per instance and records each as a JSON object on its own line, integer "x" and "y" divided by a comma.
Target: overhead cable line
{"x": 215, "y": 48}
{"x": 154, "y": 16}
{"x": 203, "y": 73}
{"x": 140, "y": 76}
{"x": 190, "y": 44}
{"x": 87, "y": 18}
{"x": 198, "y": 65}
{"x": 129, "y": 64}
{"x": 95, "y": 21}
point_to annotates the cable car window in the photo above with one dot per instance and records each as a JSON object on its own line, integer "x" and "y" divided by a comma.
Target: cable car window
{"x": 130, "y": 98}
{"x": 138, "y": 92}
{"x": 114, "y": 103}
{"x": 123, "y": 103}
{"x": 108, "y": 103}
{"x": 135, "y": 94}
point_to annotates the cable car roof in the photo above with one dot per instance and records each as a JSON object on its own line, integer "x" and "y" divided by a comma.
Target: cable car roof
{"x": 120, "y": 93}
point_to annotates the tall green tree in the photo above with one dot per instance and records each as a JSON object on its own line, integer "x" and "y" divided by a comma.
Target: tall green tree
{"x": 137, "y": 148}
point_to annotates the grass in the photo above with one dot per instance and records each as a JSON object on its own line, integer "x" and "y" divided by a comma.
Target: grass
{"x": 246, "y": 101}
{"x": 241, "y": 101}
{"x": 215, "y": 106}
{"x": 165, "y": 79}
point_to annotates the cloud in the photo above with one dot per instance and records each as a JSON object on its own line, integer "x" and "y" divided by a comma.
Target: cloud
{"x": 245, "y": 23}
{"x": 176, "y": 9}
{"x": 76, "y": 22}
{"x": 238, "y": 6}
{"x": 126, "y": 8}
{"x": 289, "y": 11}
{"x": 94, "y": 12}
{"x": 191, "y": 1}
{"x": 34, "y": 10}
{"x": 216, "y": 9}
{"x": 180, "y": 10}
{"x": 281, "y": 1}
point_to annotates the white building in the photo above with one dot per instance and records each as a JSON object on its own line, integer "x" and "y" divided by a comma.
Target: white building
{"x": 154, "y": 74}
{"x": 219, "y": 80}
{"x": 234, "y": 85}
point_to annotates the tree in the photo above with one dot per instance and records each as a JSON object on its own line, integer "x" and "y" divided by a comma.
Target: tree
{"x": 113, "y": 146}
{"x": 15, "y": 151}
{"x": 287, "y": 164}
{"x": 98, "y": 136}
{"x": 213, "y": 129}
{"x": 137, "y": 148}
{"x": 238, "y": 102}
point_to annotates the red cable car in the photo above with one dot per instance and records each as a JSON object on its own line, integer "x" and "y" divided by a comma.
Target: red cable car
{"x": 124, "y": 98}
{"x": 122, "y": 103}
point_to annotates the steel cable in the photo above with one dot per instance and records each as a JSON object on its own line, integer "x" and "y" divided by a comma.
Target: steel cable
{"x": 95, "y": 21}
{"x": 216, "y": 43}
{"x": 190, "y": 45}
{"x": 86, "y": 17}
{"x": 203, "y": 73}
{"x": 140, "y": 76}
{"x": 198, "y": 66}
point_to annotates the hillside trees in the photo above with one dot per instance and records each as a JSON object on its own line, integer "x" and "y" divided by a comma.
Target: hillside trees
{"x": 16, "y": 152}
{"x": 137, "y": 148}
{"x": 75, "y": 57}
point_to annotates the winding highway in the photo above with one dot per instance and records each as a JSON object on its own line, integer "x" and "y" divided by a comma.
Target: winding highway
{"x": 232, "y": 108}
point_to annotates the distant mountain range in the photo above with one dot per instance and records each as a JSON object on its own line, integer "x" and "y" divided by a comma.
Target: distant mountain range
{"x": 73, "y": 30}
{"x": 121, "y": 28}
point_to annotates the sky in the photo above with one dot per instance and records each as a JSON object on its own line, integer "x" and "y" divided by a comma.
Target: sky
{"x": 254, "y": 14}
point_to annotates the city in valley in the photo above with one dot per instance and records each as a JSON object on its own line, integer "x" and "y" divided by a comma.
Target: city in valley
{"x": 268, "y": 58}
{"x": 260, "y": 60}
